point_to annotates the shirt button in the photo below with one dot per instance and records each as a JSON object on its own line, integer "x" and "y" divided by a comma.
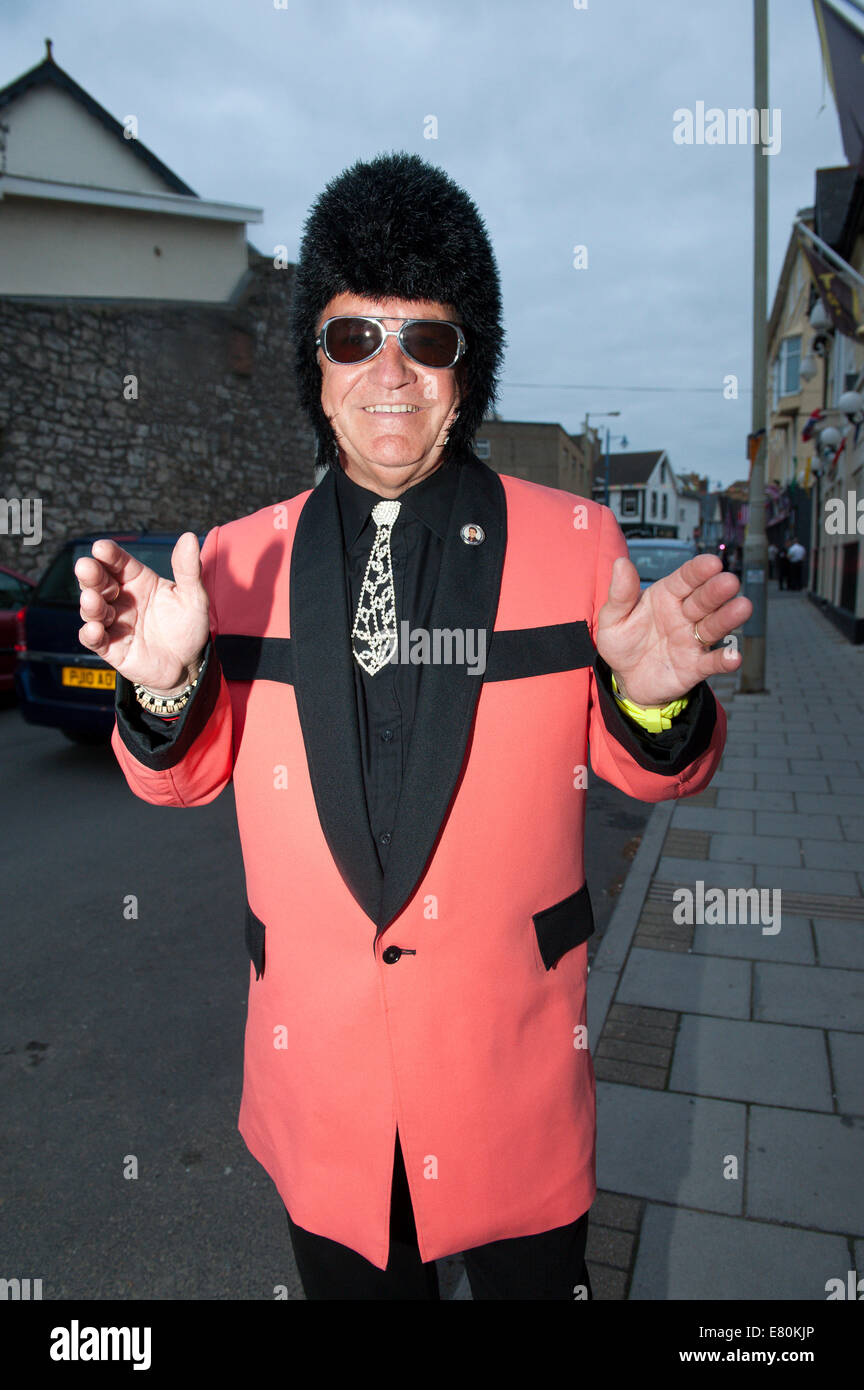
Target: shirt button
{"x": 385, "y": 838}
{"x": 387, "y": 734}
{"x": 391, "y": 955}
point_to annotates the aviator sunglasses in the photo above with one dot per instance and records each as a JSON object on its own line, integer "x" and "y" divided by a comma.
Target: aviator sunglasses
{"x": 428, "y": 342}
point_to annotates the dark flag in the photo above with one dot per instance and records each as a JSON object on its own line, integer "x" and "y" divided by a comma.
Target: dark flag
{"x": 843, "y": 56}
{"x": 842, "y": 298}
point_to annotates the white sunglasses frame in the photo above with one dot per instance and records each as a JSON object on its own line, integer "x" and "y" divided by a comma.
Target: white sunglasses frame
{"x": 461, "y": 344}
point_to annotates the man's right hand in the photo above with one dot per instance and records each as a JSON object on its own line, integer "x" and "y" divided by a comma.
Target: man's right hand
{"x": 152, "y": 630}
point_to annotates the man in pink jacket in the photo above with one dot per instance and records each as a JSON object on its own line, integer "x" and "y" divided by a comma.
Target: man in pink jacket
{"x": 401, "y": 671}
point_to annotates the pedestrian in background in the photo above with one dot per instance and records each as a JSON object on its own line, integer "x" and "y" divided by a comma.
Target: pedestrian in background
{"x": 796, "y": 553}
{"x": 783, "y": 566}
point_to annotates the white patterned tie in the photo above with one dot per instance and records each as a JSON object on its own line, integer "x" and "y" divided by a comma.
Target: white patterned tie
{"x": 374, "y": 631}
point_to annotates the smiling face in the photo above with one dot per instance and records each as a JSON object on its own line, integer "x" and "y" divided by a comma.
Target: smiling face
{"x": 381, "y": 448}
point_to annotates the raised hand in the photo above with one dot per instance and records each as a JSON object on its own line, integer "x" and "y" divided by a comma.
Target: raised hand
{"x": 152, "y": 630}
{"x": 647, "y": 638}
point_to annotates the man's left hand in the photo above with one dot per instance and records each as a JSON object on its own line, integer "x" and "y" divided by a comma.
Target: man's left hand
{"x": 647, "y": 637}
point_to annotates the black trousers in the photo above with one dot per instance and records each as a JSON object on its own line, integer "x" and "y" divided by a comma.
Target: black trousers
{"x": 546, "y": 1266}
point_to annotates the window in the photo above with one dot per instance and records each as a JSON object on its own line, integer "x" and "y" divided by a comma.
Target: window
{"x": 665, "y": 503}
{"x": 482, "y": 448}
{"x": 653, "y": 503}
{"x": 845, "y": 364}
{"x": 629, "y": 504}
{"x": 788, "y": 380}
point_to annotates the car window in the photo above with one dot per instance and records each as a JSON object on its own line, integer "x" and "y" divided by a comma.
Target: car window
{"x": 13, "y": 592}
{"x": 59, "y": 585}
{"x": 655, "y": 562}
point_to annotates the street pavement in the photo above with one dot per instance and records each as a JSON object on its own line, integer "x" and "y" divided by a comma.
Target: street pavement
{"x": 730, "y": 1058}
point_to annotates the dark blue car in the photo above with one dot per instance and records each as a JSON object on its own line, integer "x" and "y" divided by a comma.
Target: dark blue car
{"x": 59, "y": 682}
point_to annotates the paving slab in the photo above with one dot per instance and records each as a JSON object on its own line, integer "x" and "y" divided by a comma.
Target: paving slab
{"x": 842, "y": 854}
{"x": 756, "y": 849}
{"x": 805, "y": 1169}
{"x": 825, "y": 881}
{"x": 847, "y": 1062}
{"x": 791, "y": 782}
{"x": 713, "y": 873}
{"x": 714, "y": 818}
{"x": 753, "y": 801}
{"x": 798, "y": 826}
{"x": 687, "y": 983}
{"x": 668, "y": 1147}
{"x": 758, "y": 764}
{"x": 815, "y": 997}
{"x": 793, "y": 942}
{"x": 696, "y": 1255}
{"x": 840, "y": 943}
{"x": 767, "y": 1063}
{"x": 828, "y": 803}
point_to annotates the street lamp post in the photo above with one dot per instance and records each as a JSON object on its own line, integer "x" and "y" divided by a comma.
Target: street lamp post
{"x": 603, "y": 413}
{"x": 755, "y": 547}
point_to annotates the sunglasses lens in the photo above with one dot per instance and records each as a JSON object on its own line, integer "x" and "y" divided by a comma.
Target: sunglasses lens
{"x": 432, "y": 343}
{"x": 351, "y": 340}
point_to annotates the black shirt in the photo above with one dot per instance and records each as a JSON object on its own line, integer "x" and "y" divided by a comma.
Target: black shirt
{"x": 386, "y": 702}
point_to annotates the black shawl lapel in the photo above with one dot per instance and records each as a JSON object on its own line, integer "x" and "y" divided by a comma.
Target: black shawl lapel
{"x": 324, "y": 687}
{"x": 466, "y": 597}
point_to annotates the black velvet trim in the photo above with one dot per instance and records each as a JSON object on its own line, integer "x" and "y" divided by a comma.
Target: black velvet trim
{"x": 512, "y": 654}
{"x": 255, "y": 658}
{"x": 667, "y": 753}
{"x": 159, "y": 743}
{"x": 538, "y": 651}
{"x": 566, "y": 924}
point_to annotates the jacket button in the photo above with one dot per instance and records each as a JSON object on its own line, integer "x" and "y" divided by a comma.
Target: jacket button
{"x": 385, "y": 838}
{"x": 387, "y": 735}
{"x": 391, "y": 955}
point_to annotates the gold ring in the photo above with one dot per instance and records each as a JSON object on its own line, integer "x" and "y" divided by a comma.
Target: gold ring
{"x": 698, "y": 638}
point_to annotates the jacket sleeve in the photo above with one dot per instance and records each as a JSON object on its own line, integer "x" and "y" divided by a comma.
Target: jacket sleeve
{"x": 651, "y": 767}
{"x": 187, "y": 761}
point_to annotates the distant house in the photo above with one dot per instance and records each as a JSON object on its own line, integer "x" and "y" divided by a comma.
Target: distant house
{"x": 540, "y": 452}
{"x": 646, "y": 497}
{"x": 147, "y": 375}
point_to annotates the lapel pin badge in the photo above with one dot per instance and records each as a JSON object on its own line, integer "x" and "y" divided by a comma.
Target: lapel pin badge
{"x": 472, "y": 534}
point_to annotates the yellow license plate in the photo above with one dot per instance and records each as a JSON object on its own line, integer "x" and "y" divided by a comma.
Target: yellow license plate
{"x": 91, "y": 676}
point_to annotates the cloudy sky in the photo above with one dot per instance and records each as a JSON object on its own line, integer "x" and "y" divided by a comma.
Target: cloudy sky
{"x": 557, "y": 120}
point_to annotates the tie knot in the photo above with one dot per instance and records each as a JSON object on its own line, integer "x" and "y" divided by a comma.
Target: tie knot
{"x": 384, "y": 513}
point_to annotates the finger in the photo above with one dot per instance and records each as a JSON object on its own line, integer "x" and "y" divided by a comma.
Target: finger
{"x": 721, "y": 662}
{"x": 717, "y": 624}
{"x": 117, "y": 561}
{"x": 186, "y": 562}
{"x": 711, "y": 595}
{"x": 93, "y": 636}
{"x": 689, "y": 577}
{"x": 624, "y": 590}
{"x": 93, "y": 575}
{"x": 93, "y": 607}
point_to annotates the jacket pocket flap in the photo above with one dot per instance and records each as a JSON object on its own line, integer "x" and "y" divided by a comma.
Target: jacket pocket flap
{"x": 564, "y": 925}
{"x": 255, "y": 932}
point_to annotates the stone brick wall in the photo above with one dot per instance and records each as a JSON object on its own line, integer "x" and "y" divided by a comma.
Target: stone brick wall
{"x": 209, "y": 429}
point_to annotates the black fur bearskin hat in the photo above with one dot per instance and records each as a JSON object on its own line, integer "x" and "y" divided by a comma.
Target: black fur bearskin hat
{"x": 397, "y": 227}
